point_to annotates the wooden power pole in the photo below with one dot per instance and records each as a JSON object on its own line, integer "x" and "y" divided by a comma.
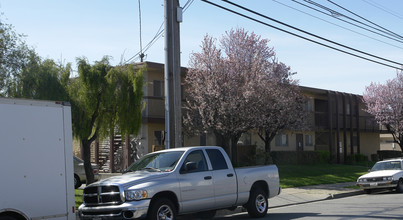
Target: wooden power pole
{"x": 172, "y": 75}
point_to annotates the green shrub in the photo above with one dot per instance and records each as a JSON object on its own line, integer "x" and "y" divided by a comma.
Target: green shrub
{"x": 324, "y": 156}
{"x": 356, "y": 159}
{"x": 298, "y": 157}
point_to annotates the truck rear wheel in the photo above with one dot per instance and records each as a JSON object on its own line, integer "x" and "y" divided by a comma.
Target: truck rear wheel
{"x": 162, "y": 209}
{"x": 257, "y": 205}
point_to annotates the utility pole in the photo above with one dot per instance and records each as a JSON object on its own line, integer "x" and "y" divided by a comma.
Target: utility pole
{"x": 172, "y": 75}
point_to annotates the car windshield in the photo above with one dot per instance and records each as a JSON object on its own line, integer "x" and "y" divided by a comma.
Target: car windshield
{"x": 387, "y": 165}
{"x": 157, "y": 162}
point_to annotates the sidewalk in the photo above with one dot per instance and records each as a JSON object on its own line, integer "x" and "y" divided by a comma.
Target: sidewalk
{"x": 305, "y": 194}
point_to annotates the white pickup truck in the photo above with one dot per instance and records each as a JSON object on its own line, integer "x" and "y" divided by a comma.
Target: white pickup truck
{"x": 167, "y": 183}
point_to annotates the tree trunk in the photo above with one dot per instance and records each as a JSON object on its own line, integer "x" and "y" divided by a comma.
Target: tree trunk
{"x": 267, "y": 146}
{"x": 89, "y": 173}
{"x": 126, "y": 153}
{"x": 223, "y": 142}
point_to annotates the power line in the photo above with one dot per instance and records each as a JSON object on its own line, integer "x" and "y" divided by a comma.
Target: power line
{"x": 288, "y": 6}
{"x": 302, "y": 37}
{"x": 308, "y": 33}
{"x": 374, "y": 4}
{"x": 156, "y": 37}
{"x": 336, "y": 13}
{"x": 340, "y": 14}
{"x": 393, "y": 33}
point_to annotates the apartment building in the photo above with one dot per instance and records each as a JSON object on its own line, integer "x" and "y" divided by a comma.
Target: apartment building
{"x": 339, "y": 123}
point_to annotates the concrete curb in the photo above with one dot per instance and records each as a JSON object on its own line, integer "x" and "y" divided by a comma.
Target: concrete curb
{"x": 222, "y": 213}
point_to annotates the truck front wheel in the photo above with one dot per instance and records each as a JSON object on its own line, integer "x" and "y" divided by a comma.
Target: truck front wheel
{"x": 162, "y": 209}
{"x": 257, "y": 204}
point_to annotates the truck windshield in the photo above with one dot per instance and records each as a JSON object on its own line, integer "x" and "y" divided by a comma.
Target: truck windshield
{"x": 157, "y": 162}
{"x": 387, "y": 165}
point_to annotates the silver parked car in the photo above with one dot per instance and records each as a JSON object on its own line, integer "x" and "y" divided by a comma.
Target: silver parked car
{"x": 79, "y": 172}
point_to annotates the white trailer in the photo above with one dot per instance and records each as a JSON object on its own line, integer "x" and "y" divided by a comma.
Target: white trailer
{"x": 36, "y": 160}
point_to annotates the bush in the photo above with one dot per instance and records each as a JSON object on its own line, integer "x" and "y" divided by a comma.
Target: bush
{"x": 356, "y": 159}
{"x": 299, "y": 157}
{"x": 387, "y": 154}
{"x": 324, "y": 156}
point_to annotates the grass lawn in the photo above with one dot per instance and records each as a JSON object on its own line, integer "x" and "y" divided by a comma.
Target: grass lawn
{"x": 308, "y": 175}
{"x": 79, "y": 197}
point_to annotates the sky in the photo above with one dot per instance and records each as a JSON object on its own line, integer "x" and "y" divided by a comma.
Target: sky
{"x": 64, "y": 30}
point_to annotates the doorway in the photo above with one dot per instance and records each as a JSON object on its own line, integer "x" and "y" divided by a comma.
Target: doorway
{"x": 299, "y": 142}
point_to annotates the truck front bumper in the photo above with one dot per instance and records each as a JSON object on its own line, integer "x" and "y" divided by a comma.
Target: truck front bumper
{"x": 127, "y": 210}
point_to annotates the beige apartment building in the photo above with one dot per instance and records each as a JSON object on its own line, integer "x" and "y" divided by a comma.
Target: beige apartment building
{"x": 339, "y": 123}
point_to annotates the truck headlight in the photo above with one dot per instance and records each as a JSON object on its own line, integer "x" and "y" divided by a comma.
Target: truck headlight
{"x": 388, "y": 178}
{"x": 135, "y": 194}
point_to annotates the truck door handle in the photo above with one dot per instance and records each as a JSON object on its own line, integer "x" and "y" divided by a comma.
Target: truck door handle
{"x": 230, "y": 175}
{"x": 207, "y": 177}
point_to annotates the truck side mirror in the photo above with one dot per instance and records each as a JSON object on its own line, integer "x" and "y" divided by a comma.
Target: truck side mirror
{"x": 189, "y": 166}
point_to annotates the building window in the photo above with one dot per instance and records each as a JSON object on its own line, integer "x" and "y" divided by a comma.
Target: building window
{"x": 281, "y": 140}
{"x": 308, "y": 105}
{"x": 308, "y": 140}
{"x": 159, "y": 137}
{"x": 158, "y": 88}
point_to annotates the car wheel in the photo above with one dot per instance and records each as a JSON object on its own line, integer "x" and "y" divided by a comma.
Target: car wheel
{"x": 77, "y": 182}
{"x": 162, "y": 209}
{"x": 257, "y": 205}
{"x": 399, "y": 187}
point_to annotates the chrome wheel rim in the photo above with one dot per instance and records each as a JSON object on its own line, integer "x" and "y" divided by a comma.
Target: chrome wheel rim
{"x": 165, "y": 213}
{"x": 261, "y": 203}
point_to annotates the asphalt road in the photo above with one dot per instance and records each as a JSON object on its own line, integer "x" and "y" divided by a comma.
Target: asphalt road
{"x": 381, "y": 205}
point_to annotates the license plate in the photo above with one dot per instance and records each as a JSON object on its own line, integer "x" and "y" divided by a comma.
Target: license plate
{"x": 373, "y": 184}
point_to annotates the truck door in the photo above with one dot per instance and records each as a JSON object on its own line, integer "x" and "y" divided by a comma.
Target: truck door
{"x": 224, "y": 180}
{"x": 196, "y": 185}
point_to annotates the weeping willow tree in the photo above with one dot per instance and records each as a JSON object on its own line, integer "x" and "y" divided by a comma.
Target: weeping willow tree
{"x": 103, "y": 98}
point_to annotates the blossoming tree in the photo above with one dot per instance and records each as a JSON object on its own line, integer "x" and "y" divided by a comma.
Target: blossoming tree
{"x": 237, "y": 87}
{"x": 385, "y": 102}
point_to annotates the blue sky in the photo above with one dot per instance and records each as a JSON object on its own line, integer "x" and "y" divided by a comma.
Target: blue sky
{"x": 67, "y": 29}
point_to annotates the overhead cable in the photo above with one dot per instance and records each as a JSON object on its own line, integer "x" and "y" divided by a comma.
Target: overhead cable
{"x": 337, "y": 14}
{"x": 376, "y": 5}
{"x": 391, "y": 32}
{"x": 156, "y": 37}
{"x": 305, "y": 38}
{"x": 356, "y": 25}
{"x": 340, "y": 26}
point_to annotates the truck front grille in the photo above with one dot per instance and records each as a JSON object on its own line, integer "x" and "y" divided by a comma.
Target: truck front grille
{"x": 102, "y": 195}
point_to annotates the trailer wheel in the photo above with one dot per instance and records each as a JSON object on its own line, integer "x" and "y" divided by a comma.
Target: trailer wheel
{"x": 399, "y": 187}
{"x": 257, "y": 205}
{"x": 162, "y": 209}
{"x": 77, "y": 181}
